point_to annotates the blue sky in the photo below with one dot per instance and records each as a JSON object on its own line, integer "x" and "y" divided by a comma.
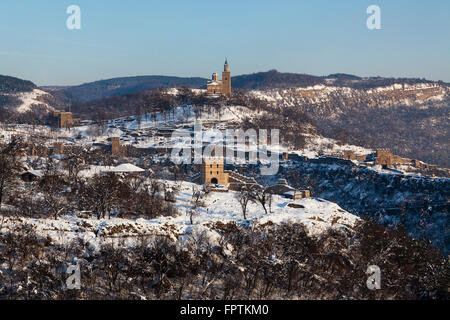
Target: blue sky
{"x": 192, "y": 38}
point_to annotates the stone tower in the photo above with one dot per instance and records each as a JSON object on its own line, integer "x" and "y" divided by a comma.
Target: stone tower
{"x": 384, "y": 157}
{"x": 64, "y": 119}
{"x": 212, "y": 171}
{"x": 58, "y": 148}
{"x": 116, "y": 149}
{"x": 226, "y": 80}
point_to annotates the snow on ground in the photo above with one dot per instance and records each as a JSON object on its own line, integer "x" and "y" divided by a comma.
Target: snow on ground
{"x": 183, "y": 118}
{"x": 317, "y": 145}
{"x": 322, "y": 93}
{"x": 29, "y": 99}
{"x": 123, "y": 168}
{"x": 316, "y": 214}
{"x": 185, "y": 115}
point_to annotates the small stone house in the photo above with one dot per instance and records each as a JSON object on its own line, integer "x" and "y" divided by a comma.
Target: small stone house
{"x": 282, "y": 188}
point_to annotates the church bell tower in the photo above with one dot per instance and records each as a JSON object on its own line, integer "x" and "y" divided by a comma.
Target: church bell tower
{"x": 226, "y": 80}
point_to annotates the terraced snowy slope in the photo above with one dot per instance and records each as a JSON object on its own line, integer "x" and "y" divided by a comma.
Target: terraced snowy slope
{"x": 316, "y": 214}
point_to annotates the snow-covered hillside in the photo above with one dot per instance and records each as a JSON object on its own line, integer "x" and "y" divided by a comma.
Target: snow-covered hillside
{"x": 316, "y": 214}
{"x": 406, "y": 118}
{"x": 31, "y": 99}
{"x": 320, "y": 95}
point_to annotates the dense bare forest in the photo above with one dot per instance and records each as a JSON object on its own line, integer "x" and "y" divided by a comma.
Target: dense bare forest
{"x": 266, "y": 263}
{"x": 14, "y": 85}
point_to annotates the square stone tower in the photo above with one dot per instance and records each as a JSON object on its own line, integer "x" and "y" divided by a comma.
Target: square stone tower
{"x": 64, "y": 119}
{"x": 58, "y": 148}
{"x": 116, "y": 149}
{"x": 226, "y": 80}
{"x": 212, "y": 171}
{"x": 384, "y": 157}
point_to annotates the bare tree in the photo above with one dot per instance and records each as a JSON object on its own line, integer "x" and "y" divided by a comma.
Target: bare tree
{"x": 263, "y": 197}
{"x": 9, "y": 165}
{"x": 154, "y": 188}
{"x": 139, "y": 112}
{"x": 243, "y": 197}
{"x": 74, "y": 163}
{"x": 196, "y": 203}
{"x": 101, "y": 194}
{"x": 52, "y": 185}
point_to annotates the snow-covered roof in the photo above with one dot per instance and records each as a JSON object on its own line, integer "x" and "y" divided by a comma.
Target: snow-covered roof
{"x": 58, "y": 156}
{"x": 282, "y": 182}
{"x": 37, "y": 173}
{"x": 125, "y": 167}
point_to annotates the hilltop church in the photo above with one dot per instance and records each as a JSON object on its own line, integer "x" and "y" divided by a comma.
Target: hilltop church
{"x": 220, "y": 87}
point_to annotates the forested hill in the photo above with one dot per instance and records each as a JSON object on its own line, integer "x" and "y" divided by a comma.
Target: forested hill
{"x": 278, "y": 80}
{"x": 14, "y": 85}
{"x": 120, "y": 86}
{"x": 274, "y": 79}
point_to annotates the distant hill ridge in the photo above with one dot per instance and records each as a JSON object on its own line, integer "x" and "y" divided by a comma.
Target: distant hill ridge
{"x": 119, "y": 86}
{"x": 271, "y": 79}
{"x": 10, "y": 84}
